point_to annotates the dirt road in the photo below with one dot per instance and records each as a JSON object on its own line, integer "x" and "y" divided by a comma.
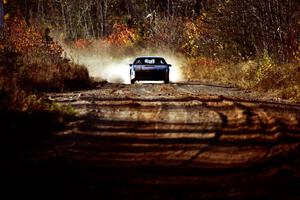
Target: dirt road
{"x": 175, "y": 141}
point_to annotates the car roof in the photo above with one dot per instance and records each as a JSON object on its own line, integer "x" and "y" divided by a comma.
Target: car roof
{"x": 141, "y": 57}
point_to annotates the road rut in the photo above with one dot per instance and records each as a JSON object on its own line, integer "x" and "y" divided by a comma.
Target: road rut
{"x": 175, "y": 141}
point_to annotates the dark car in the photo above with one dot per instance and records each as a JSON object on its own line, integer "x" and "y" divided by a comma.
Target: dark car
{"x": 149, "y": 69}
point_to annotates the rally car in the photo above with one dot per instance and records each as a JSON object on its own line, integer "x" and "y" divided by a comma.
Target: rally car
{"x": 149, "y": 69}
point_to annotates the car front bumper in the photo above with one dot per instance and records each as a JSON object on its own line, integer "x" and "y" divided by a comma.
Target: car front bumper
{"x": 150, "y": 75}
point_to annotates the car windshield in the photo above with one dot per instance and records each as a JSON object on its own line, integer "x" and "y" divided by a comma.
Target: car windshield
{"x": 150, "y": 61}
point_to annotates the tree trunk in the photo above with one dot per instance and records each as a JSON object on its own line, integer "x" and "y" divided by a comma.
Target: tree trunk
{"x": 1, "y": 14}
{"x": 198, "y": 7}
{"x": 170, "y": 8}
{"x": 103, "y": 18}
{"x": 63, "y": 16}
{"x": 26, "y": 11}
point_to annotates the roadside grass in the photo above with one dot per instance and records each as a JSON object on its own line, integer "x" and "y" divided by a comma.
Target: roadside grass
{"x": 265, "y": 75}
{"x": 30, "y": 67}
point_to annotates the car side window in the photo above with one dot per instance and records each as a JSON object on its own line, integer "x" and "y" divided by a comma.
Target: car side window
{"x": 161, "y": 62}
{"x": 138, "y": 62}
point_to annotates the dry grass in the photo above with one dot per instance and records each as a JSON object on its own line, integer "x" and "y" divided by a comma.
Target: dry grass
{"x": 29, "y": 66}
{"x": 277, "y": 80}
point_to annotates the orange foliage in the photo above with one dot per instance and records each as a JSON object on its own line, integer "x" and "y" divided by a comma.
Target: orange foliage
{"x": 122, "y": 35}
{"x": 204, "y": 61}
{"x": 82, "y": 43}
{"x": 203, "y": 68}
{"x": 28, "y": 41}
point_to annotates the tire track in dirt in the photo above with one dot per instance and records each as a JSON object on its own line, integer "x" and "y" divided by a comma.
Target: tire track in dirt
{"x": 195, "y": 140}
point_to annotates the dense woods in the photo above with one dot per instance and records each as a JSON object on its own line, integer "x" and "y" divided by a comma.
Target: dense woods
{"x": 223, "y": 28}
{"x": 223, "y": 40}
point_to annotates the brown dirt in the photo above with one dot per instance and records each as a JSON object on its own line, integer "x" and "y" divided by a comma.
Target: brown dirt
{"x": 175, "y": 141}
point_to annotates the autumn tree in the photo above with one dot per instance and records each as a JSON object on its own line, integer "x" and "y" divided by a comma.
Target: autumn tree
{"x": 226, "y": 28}
{"x": 251, "y": 27}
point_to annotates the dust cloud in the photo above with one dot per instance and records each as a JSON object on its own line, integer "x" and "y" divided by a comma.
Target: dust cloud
{"x": 111, "y": 64}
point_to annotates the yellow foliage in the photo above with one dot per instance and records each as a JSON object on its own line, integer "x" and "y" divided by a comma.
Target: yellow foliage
{"x": 122, "y": 35}
{"x": 266, "y": 64}
{"x": 194, "y": 32}
{"x": 297, "y": 54}
{"x": 6, "y": 16}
